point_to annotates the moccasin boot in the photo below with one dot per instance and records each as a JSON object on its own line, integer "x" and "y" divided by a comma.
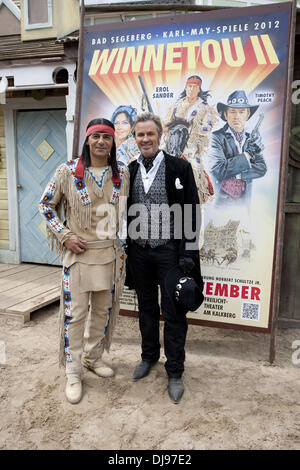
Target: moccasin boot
{"x": 175, "y": 389}
{"x": 74, "y": 392}
{"x": 101, "y": 369}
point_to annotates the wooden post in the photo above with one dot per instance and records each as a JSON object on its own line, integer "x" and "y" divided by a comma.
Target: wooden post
{"x": 282, "y": 188}
{"x": 80, "y": 67}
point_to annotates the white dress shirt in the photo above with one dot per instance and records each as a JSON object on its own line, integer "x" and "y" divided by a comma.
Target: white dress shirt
{"x": 148, "y": 178}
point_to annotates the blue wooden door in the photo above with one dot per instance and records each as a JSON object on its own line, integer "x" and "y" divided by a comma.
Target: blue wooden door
{"x": 41, "y": 143}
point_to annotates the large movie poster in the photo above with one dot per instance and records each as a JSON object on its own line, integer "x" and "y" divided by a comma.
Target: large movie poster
{"x": 218, "y": 82}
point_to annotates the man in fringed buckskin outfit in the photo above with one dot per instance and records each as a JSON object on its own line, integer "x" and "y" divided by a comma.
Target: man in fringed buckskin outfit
{"x": 89, "y": 190}
{"x": 192, "y": 108}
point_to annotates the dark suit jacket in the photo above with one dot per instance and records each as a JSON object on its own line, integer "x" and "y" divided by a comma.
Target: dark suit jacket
{"x": 226, "y": 161}
{"x": 187, "y": 197}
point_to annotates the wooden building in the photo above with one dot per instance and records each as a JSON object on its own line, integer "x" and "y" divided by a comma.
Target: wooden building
{"x": 37, "y": 98}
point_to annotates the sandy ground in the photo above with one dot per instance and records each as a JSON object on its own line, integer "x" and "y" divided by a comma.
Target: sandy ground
{"x": 234, "y": 399}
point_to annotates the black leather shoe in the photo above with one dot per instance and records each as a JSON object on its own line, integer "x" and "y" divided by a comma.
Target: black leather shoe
{"x": 175, "y": 389}
{"x": 142, "y": 370}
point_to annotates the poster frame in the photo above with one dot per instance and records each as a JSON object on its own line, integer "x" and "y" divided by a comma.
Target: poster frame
{"x": 282, "y": 181}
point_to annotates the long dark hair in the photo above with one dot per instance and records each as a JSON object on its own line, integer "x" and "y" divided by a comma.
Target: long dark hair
{"x": 202, "y": 94}
{"x": 85, "y": 154}
{"x": 130, "y": 112}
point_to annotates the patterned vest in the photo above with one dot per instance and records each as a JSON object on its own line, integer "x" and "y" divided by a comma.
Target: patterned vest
{"x": 156, "y": 222}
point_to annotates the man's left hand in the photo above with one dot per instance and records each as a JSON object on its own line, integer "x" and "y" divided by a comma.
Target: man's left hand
{"x": 254, "y": 147}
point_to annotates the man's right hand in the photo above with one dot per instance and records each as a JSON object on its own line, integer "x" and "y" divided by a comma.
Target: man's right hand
{"x": 76, "y": 244}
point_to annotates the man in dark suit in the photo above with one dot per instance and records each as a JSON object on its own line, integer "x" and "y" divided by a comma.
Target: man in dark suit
{"x": 160, "y": 239}
{"x": 235, "y": 156}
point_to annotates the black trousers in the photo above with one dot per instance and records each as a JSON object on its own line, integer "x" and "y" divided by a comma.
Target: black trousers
{"x": 149, "y": 267}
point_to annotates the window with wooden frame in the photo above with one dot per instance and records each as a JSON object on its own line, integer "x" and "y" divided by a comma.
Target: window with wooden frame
{"x": 38, "y": 14}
